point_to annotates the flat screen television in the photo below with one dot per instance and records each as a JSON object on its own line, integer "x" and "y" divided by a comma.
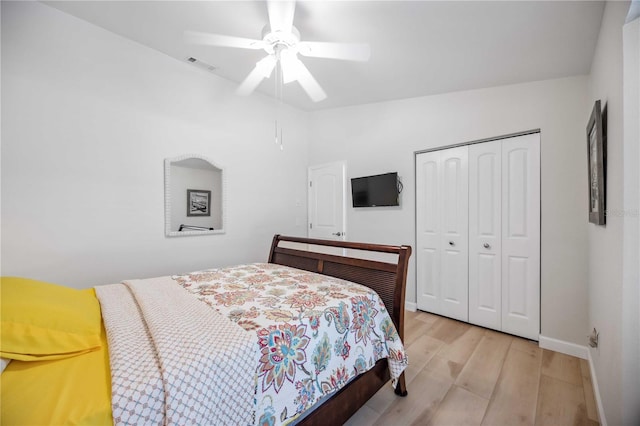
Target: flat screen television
{"x": 375, "y": 191}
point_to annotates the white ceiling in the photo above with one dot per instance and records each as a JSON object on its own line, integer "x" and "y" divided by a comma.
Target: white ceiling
{"x": 418, "y": 47}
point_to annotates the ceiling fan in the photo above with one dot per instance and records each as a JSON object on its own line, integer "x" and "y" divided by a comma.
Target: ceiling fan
{"x": 281, "y": 41}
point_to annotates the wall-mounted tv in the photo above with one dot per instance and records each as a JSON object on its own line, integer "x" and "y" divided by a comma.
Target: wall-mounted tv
{"x": 375, "y": 191}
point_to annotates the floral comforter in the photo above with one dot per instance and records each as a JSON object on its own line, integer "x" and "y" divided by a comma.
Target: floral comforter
{"x": 314, "y": 332}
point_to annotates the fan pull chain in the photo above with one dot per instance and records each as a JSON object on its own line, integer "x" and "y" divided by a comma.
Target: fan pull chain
{"x": 279, "y": 91}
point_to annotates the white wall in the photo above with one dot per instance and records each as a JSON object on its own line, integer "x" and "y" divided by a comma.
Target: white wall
{"x": 88, "y": 118}
{"x": 382, "y": 137}
{"x": 631, "y": 224}
{"x": 605, "y": 242}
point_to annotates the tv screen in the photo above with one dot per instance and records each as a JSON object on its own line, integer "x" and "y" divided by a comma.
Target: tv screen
{"x": 375, "y": 191}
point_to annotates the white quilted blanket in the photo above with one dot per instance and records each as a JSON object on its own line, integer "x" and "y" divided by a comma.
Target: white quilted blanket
{"x": 173, "y": 359}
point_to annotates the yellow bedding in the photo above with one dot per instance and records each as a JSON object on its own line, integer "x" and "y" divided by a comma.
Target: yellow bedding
{"x": 44, "y": 321}
{"x": 75, "y": 390}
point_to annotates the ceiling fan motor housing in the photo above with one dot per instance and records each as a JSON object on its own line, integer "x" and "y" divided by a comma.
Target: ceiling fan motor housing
{"x": 275, "y": 41}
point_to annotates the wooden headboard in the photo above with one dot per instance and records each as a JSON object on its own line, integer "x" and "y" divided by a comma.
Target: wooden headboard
{"x": 387, "y": 279}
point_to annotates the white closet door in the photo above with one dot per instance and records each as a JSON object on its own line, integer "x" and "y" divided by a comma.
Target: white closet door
{"x": 485, "y": 229}
{"x": 428, "y": 231}
{"x": 454, "y": 238}
{"x": 521, "y": 236}
{"x": 442, "y": 232}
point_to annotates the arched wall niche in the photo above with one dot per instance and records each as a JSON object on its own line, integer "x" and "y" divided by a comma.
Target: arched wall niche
{"x": 194, "y": 196}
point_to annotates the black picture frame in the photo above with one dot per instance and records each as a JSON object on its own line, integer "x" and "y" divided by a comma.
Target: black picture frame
{"x": 596, "y": 163}
{"x": 198, "y": 202}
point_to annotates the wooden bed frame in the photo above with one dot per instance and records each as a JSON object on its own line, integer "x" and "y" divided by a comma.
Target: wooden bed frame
{"x": 387, "y": 279}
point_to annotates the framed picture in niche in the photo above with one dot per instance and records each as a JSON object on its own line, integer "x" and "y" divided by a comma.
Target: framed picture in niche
{"x": 198, "y": 202}
{"x": 596, "y": 156}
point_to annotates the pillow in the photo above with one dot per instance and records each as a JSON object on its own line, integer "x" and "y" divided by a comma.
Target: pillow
{"x": 42, "y": 321}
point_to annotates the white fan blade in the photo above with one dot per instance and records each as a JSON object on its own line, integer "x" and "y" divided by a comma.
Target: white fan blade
{"x": 262, "y": 70}
{"x": 195, "y": 37}
{"x": 281, "y": 15}
{"x": 266, "y": 65}
{"x": 344, "y": 51}
{"x": 308, "y": 83}
{"x": 250, "y": 83}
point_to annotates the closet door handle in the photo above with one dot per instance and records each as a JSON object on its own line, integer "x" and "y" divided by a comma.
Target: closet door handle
{"x": 451, "y": 243}
{"x": 486, "y": 245}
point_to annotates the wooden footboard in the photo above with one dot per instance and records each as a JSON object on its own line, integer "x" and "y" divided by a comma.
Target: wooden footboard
{"x": 387, "y": 279}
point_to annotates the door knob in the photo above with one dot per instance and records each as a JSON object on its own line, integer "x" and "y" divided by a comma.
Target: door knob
{"x": 338, "y": 234}
{"x": 451, "y": 243}
{"x": 486, "y": 245}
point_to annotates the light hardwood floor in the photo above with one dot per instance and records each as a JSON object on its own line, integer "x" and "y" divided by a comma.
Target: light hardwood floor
{"x": 460, "y": 374}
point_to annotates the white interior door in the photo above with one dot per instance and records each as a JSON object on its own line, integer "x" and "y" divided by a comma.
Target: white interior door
{"x": 455, "y": 235}
{"x": 428, "y": 231}
{"x": 442, "y": 226}
{"x": 327, "y": 206}
{"x": 521, "y": 236}
{"x": 485, "y": 234}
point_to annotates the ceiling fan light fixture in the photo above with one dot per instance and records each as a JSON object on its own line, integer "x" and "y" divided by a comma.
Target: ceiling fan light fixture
{"x": 272, "y": 40}
{"x": 290, "y": 65}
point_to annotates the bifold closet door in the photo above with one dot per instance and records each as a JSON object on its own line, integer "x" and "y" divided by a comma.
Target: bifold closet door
{"x": 485, "y": 234}
{"x": 504, "y": 235}
{"x": 442, "y": 232}
{"x": 478, "y": 234}
{"x": 521, "y": 236}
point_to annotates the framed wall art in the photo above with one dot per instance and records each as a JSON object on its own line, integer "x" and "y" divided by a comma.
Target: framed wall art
{"x": 596, "y": 147}
{"x": 198, "y": 202}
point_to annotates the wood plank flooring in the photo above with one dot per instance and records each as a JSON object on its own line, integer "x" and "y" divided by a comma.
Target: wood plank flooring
{"x": 460, "y": 374}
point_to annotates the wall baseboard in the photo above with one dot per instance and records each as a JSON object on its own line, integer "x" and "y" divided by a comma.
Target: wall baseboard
{"x": 411, "y": 306}
{"x": 596, "y": 390}
{"x": 561, "y": 346}
{"x": 582, "y": 352}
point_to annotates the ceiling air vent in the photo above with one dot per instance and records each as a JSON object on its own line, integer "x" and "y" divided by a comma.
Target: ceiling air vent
{"x": 200, "y": 64}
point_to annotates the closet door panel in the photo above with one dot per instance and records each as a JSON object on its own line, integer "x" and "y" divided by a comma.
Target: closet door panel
{"x": 428, "y": 227}
{"x": 485, "y": 241}
{"x": 454, "y": 242}
{"x": 516, "y": 293}
{"x": 521, "y": 236}
{"x": 428, "y": 273}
